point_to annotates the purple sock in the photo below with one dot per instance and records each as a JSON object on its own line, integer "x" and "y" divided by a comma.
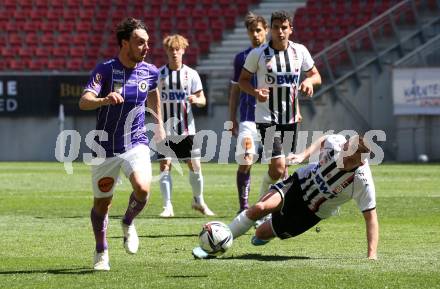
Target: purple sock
{"x": 243, "y": 187}
{"x": 134, "y": 208}
{"x": 99, "y": 224}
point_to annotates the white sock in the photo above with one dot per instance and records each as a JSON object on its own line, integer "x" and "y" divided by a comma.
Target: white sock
{"x": 240, "y": 225}
{"x": 267, "y": 181}
{"x": 166, "y": 186}
{"x": 196, "y": 181}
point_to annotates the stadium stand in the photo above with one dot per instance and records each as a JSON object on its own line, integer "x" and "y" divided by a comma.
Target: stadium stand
{"x": 71, "y": 35}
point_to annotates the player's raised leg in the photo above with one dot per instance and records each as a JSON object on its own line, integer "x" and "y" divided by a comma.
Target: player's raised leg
{"x": 269, "y": 203}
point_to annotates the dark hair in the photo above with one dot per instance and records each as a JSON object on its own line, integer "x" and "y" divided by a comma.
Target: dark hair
{"x": 126, "y": 27}
{"x": 281, "y": 15}
{"x": 252, "y": 18}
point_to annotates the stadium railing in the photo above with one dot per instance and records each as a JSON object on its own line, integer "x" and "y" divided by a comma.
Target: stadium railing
{"x": 339, "y": 61}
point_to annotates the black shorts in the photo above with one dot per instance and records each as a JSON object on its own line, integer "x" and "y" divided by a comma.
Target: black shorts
{"x": 295, "y": 217}
{"x": 281, "y": 142}
{"x": 178, "y": 147}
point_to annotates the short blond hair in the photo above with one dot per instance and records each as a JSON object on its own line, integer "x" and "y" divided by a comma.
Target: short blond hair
{"x": 175, "y": 41}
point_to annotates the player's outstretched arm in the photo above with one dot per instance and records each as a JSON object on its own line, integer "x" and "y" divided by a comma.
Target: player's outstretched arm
{"x": 372, "y": 226}
{"x": 89, "y": 100}
{"x": 305, "y": 155}
{"x": 153, "y": 103}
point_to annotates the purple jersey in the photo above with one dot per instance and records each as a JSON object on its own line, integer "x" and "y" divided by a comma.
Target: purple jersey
{"x": 124, "y": 123}
{"x": 247, "y": 102}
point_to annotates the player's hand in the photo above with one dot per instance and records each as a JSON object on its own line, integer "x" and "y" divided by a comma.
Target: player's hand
{"x": 306, "y": 87}
{"x": 298, "y": 118}
{"x": 294, "y": 159}
{"x": 192, "y": 99}
{"x": 262, "y": 94}
{"x": 234, "y": 128}
{"x": 113, "y": 98}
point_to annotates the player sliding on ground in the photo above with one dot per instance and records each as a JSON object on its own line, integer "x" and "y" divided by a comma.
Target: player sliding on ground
{"x": 313, "y": 193}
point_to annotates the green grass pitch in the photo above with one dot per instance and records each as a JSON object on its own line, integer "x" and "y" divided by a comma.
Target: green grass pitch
{"x": 46, "y": 239}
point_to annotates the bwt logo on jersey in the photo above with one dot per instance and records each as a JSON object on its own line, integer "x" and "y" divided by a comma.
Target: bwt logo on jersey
{"x": 178, "y": 95}
{"x": 280, "y": 79}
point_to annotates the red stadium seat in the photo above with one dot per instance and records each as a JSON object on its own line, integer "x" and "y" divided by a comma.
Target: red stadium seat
{"x": 7, "y": 52}
{"x": 19, "y": 15}
{"x": 31, "y": 26}
{"x": 74, "y": 64}
{"x": 47, "y": 39}
{"x": 92, "y": 52}
{"x": 10, "y": 4}
{"x": 54, "y": 14}
{"x": 89, "y": 64}
{"x": 83, "y": 26}
{"x": 37, "y": 64}
{"x": 56, "y": 64}
{"x": 41, "y": 4}
{"x": 86, "y": 14}
{"x": 65, "y": 26}
{"x": 60, "y": 51}
{"x": 81, "y": 39}
{"x": 24, "y": 52}
{"x": 14, "y": 64}
{"x": 15, "y": 39}
{"x": 77, "y": 51}
{"x": 63, "y": 39}
{"x": 43, "y": 52}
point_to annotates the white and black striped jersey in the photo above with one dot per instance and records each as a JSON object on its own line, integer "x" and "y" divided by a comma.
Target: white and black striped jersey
{"x": 325, "y": 187}
{"x": 175, "y": 86}
{"x": 279, "y": 71}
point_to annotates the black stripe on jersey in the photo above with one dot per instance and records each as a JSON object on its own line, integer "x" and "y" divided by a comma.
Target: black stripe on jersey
{"x": 165, "y": 112}
{"x": 267, "y": 55}
{"x": 287, "y": 60}
{"x": 287, "y": 90}
{"x": 329, "y": 168}
{"x": 179, "y": 125}
{"x": 308, "y": 186}
{"x": 178, "y": 80}
{"x": 170, "y": 80}
{"x": 172, "y": 110}
{"x": 272, "y": 115}
{"x": 280, "y": 103}
{"x": 336, "y": 177}
{"x": 277, "y": 60}
{"x": 312, "y": 195}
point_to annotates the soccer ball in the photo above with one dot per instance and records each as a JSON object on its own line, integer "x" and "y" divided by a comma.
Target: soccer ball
{"x": 215, "y": 238}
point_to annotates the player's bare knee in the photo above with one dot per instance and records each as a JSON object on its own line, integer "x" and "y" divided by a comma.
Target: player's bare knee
{"x": 276, "y": 173}
{"x": 141, "y": 191}
{"x": 102, "y": 205}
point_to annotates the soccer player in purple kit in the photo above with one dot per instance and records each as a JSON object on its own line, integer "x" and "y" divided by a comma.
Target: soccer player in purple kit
{"x": 246, "y": 133}
{"x": 119, "y": 89}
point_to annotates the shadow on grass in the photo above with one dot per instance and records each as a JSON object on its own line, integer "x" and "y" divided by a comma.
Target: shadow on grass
{"x": 119, "y": 217}
{"x": 159, "y": 236}
{"x": 260, "y": 257}
{"x": 187, "y": 276}
{"x": 66, "y": 271}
